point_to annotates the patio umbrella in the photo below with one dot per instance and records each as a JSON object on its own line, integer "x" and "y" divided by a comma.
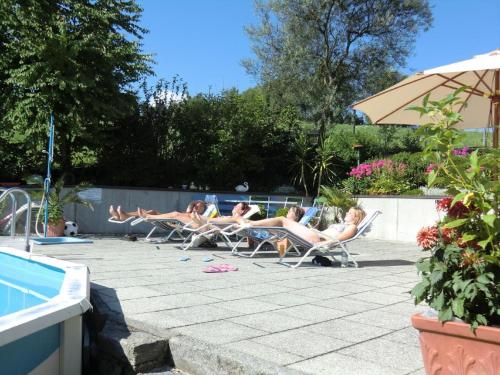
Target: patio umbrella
{"x": 481, "y": 74}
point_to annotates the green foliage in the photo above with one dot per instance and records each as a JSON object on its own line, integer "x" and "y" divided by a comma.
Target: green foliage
{"x": 324, "y": 165}
{"x": 301, "y": 162}
{"x": 415, "y": 167}
{"x": 262, "y": 214}
{"x": 57, "y": 200}
{"x": 338, "y": 199}
{"x": 282, "y": 211}
{"x": 218, "y": 140}
{"x": 353, "y": 185}
{"x": 461, "y": 276}
{"x": 74, "y": 58}
{"x": 321, "y": 55}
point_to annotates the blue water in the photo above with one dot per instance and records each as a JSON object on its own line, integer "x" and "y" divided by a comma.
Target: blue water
{"x": 25, "y": 283}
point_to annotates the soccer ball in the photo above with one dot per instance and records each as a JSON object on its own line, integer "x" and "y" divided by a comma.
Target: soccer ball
{"x": 70, "y": 229}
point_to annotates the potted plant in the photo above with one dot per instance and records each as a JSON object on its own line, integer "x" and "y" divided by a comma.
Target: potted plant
{"x": 56, "y": 202}
{"x": 460, "y": 274}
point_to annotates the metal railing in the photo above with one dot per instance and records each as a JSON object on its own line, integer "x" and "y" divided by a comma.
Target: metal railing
{"x": 11, "y": 193}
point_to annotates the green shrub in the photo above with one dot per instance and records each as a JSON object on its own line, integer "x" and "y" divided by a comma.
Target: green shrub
{"x": 353, "y": 185}
{"x": 282, "y": 211}
{"x": 415, "y": 167}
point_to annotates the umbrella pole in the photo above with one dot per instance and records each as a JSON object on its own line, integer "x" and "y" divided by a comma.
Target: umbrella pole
{"x": 46, "y": 182}
{"x": 496, "y": 108}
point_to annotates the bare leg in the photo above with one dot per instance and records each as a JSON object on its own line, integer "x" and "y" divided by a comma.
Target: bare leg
{"x": 113, "y": 213}
{"x": 125, "y": 215}
{"x": 294, "y": 227}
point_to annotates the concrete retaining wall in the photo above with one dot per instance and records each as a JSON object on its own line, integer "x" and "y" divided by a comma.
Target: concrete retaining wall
{"x": 96, "y": 222}
{"x": 401, "y": 218}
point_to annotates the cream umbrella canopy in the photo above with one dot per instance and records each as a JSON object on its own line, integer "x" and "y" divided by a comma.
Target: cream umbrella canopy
{"x": 481, "y": 74}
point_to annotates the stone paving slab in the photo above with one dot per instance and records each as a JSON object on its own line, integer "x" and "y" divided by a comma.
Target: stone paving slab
{"x": 315, "y": 320}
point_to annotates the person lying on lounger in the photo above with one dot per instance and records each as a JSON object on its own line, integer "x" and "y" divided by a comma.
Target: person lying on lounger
{"x": 339, "y": 232}
{"x": 198, "y": 206}
{"x": 294, "y": 214}
{"x": 239, "y": 211}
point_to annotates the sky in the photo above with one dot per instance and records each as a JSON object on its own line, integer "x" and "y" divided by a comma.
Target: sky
{"x": 203, "y": 41}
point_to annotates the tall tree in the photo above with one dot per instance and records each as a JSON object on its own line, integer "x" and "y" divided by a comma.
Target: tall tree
{"x": 75, "y": 58}
{"x": 318, "y": 54}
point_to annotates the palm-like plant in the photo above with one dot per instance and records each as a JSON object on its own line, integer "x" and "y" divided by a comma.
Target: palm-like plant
{"x": 323, "y": 168}
{"x": 57, "y": 200}
{"x": 339, "y": 200}
{"x": 301, "y": 163}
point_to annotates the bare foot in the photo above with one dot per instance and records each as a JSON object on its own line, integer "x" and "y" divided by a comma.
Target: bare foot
{"x": 195, "y": 216}
{"x": 142, "y": 213}
{"x": 113, "y": 213}
{"x": 121, "y": 214}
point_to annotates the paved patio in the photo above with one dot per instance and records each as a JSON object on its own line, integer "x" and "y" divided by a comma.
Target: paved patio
{"x": 315, "y": 320}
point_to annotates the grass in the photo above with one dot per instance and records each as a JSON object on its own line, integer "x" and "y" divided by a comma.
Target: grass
{"x": 472, "y": 139}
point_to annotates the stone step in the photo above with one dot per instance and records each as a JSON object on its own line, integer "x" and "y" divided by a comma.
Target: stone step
{"x": 126, "y": 347}
{"x": 200, "y": 358}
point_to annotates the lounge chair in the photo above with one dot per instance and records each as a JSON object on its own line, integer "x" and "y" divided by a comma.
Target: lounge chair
{"x": 325, "y": 247}
{"x": 118, "y": 221}
{"x": 175, "y": 226}
{"x": 262, "y": 236}
{"x": 214, "y": 231}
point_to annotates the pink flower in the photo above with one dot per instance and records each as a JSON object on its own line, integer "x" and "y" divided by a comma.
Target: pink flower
{"x": 430, "y": 168}
{"x": 461, "y": 151}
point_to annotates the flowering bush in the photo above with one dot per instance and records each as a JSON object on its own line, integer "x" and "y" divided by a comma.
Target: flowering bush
{"x": 461, "y": 274}
{"x": 461, "y": 151}
{"x": 381, "y": 177}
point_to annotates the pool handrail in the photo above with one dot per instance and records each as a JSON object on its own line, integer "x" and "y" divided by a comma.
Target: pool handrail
{"x": 27, "y": 226}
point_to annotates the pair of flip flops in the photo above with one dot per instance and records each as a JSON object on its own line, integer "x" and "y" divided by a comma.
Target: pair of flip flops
{"x": 217, "y": 268}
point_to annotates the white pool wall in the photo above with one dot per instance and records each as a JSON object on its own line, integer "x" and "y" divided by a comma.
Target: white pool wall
{"x": 65, "y": 310}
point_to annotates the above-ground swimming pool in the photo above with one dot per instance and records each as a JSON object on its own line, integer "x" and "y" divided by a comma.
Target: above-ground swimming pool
{"x": 41, "y": 305}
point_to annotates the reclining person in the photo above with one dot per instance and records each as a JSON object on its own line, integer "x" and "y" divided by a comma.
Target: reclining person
{"x": 294, "y": 214}
{"x": 339, "y": 232}
{"x": 238, "y": 213}
{"x": 198, "y": 206}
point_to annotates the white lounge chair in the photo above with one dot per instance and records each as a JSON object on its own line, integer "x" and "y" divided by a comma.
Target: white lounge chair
{"x": 261, "y": 236}
{"x": 214, "y": 231}
{"x": 325, "y": 247}
{"x": 174, "y": 226}
{"x": 183, "y": 230}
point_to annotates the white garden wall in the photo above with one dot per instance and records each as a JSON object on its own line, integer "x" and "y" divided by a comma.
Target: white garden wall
{"x": 401, "y": 217}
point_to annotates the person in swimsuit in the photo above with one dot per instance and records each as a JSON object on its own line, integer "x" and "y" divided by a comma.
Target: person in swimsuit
{"x": 339, "y": 232}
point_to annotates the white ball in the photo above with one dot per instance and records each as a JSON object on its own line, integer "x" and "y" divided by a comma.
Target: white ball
{"x": 70, "y": 229}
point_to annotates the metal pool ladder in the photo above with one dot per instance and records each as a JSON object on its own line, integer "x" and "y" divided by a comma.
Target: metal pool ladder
{"x": 11, "y": 193}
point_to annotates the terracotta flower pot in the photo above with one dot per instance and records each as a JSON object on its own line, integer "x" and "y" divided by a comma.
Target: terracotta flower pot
{"x": 452, "y": 348}
{"x": 56, "y": 230}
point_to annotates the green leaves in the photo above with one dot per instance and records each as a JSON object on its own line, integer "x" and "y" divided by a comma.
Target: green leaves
{"x": 431, "y": 178}
{"x": 76, "y": 59}
{"x": 457, "y": 306}
{"x": 489, "y": 219}
{"x": 455, "y": 223}
{"x": 461, "y": 278}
